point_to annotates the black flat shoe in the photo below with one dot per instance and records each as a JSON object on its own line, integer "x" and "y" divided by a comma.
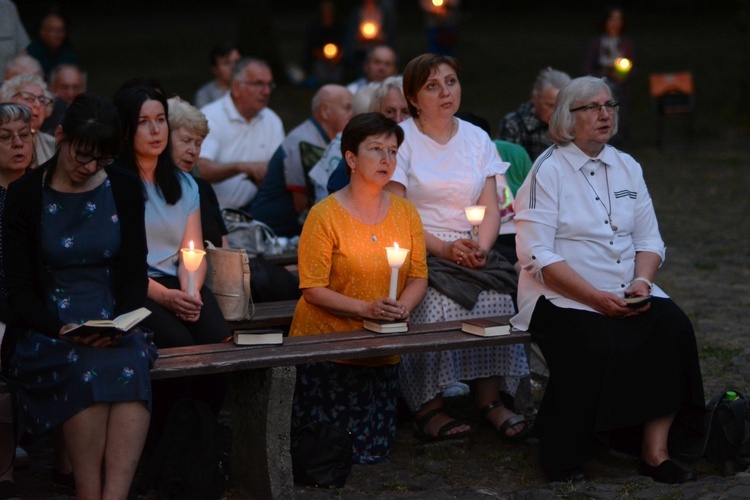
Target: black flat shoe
{"x": 666, "y": 472}
{"x": 574, "y": 475}
{"x": 65, "y": 481}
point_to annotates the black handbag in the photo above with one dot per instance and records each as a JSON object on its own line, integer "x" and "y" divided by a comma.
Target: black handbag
{"x": 322, "y": 455}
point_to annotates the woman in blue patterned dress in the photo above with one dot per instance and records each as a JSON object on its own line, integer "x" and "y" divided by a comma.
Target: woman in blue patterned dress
{"x": 75, "y": 250}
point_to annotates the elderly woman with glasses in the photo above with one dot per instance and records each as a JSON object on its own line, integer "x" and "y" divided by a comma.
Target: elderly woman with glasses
{"x": 621, "y": 354}
{"x": 30, "y": 90}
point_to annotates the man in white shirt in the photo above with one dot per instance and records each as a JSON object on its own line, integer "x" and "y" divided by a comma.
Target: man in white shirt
{"x": 244, "y": 134}
{"x": 284, "y": 194}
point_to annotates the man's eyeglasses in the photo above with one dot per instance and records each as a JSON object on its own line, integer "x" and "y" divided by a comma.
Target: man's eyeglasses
{"x": 85, "y": 159}
{"x": 29, "y": 98}
{"x": 8, "y": 138}
{"x": 258, "y": 85}
{"x": 595, "y": 109}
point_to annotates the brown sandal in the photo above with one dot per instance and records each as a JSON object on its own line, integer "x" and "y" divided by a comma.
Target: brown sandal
{"x": 420, "y": 430}
{"x": 518, "y": 437}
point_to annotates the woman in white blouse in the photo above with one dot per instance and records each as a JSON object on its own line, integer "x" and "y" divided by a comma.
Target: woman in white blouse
{"x": 588, "y": 242}
{"x": 444, "y": 165}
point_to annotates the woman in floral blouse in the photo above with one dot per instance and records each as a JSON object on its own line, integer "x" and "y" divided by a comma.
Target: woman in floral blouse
{"x": 75, "y": 250}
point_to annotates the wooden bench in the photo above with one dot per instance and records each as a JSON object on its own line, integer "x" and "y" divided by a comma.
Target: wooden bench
{"x": 262, "y": 385}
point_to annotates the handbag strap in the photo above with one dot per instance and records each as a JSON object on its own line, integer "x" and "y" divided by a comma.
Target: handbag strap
{"x": 246, "y": 281}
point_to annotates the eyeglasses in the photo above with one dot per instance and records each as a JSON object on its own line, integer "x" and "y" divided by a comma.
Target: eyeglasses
{"x": 8, "y": 138}
{"x": 29, "y": 98}
{"x": 85, "y": 159}
{"x": 595, "y": 109}
{"x": 258, "y": 85}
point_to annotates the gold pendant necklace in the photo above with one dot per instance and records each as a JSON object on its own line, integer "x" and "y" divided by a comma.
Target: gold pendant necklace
{"x": 377, "y": 215}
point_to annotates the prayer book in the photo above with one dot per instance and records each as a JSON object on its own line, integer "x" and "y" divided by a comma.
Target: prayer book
{"x": 637, "y": 301}
{"x": 263, "y": 336}
{"x": 485, "y": 327}
{"x": 381, "y": 326}
{"x": 118, "y": 326}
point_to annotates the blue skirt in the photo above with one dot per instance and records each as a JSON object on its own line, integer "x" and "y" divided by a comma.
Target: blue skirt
{"x": 59, "y": 379}
{"x": 360, "y": 399}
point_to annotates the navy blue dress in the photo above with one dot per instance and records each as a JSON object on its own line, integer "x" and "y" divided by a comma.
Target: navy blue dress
{"x": 58, "y": 379}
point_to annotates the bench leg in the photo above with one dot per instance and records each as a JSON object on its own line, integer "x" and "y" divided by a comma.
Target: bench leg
{"x": 261, "y": 466}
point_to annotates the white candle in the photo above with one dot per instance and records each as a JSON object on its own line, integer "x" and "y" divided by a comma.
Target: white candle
{"x": 475, "y": 214}
{"x": 192, "y": 259}
{"x": 396, "y": 257}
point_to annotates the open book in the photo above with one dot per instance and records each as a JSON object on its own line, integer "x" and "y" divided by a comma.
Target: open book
{"x": 117, "y": 326}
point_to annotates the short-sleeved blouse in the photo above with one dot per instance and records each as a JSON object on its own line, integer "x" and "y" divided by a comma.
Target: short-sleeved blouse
{"x": 337, "y": 251}
{"x": 442, "y": 179}
{"x": 165, "y": 225}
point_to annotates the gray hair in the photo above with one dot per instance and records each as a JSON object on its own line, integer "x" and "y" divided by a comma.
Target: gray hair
{"x": 362, "y": 99}
{"x": 10, "y": 112}
{"x": 184, "y": 115}
{"x": 56, "y": 71}
{"x": 549, "y": 77}
{"x": 238, "y": 73}
{"x": 21, "y": 65}
{"x": 392, "y": 82}
{"x": 11, "y": 87}
{"x": 579, "y": 92}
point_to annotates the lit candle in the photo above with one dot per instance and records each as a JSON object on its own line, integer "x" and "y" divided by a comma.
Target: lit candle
{"x": 192, "y": 259}
{"x": 475, "y": 214}
{"x": 396, "y": 257}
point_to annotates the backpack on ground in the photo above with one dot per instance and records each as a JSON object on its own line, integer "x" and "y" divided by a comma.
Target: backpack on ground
{"x": 322, "y": 455}
{"x": 189, "y": 461}
{"x": 729, "y": 429}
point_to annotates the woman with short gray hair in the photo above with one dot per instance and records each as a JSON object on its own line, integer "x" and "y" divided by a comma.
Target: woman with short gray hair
{"x": 30, "y": 90}
{"x": 15, "y": 157}
{"x": 621, "y": 354}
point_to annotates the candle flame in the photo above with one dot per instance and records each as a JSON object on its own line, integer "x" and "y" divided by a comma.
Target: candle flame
{"x": 437, "y": 3}
{"x": 192, "y": 247}
{"x": 395, "y": 244}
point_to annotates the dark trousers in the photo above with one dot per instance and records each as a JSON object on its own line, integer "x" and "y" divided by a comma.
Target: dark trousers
{"x": 171, "y": 331}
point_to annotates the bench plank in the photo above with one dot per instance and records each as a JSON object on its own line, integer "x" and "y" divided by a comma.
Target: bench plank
{"x": 218, "y": 358}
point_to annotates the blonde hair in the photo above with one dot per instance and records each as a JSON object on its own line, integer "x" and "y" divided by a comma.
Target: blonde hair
{"x": 184, "y": 115}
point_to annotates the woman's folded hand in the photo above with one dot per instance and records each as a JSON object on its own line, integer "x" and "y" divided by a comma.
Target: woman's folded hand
{"x": 182, "y": 304}
{"x": 386, "y": 309}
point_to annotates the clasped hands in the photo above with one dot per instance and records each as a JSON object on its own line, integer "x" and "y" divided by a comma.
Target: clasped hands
{"x": 386, "y": 309}
{"x": 185, "y": 306}
{"x": 466, "y": 253}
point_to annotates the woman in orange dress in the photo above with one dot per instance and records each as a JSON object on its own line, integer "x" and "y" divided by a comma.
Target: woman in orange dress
{"x": 345, "y": 277}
